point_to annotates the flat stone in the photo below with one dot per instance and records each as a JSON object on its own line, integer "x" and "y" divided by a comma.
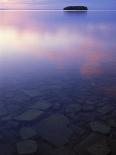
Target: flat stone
{"x": 91, "y": 139}
{"x": 1, "y": 136}
{"x": 29, "y": 115}
{"x": 105, "y": 109}
{"x": 7, "y": 118}
{"x": 27, "y": 147}
{"x": 31, "y": 92}
{"x": 41, "y": 105}
{"x": 6, "y": 149}
{"x": 77, "y": 130}
{"x": 44, "y": 148}
{"x": 112, "y": 144}
{"x": 88, "y": 107}
{"x": 54, "y": 129}
{"x": 72, "y": 109}
{"x": 112, "y": 123}
{"x": 56, "y": 106}
{"x": 63, "y": 151}
{"x": 100, "y": 148}
{"x": 100, "y": 127}
{"x": 27, "y": 132}
{"x": 3, "y": 110}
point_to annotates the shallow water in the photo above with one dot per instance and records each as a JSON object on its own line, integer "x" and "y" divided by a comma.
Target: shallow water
{"x": 56, "y": 67}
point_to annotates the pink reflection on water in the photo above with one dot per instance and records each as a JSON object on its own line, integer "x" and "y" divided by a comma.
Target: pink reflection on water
{"x": 82, "y": 49}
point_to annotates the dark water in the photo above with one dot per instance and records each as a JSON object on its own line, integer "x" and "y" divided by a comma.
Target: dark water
{"x": 57, "y": 82}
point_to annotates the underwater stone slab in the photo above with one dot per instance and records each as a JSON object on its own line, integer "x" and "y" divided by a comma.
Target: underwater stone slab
{"x": 54, "y": 129}
{"x": 3, "y": 110}
{"x": 112, "y": 145}
{"x": 7, "y": 118}
{"x": 44, "y": 148}
{"x": 72, "y": 109}
{"x": 41, "y": 105}
{"x": 112, "y": 123}
{"x": 32, "y": 92}
{"x": 6, "y": 149}
{"x": 63, "y": 151}
{"x": 105, "y": 109}
{"x": 100, "y": 127}
{"x": 100, "y": 148}
{"x": 76, "y": 129}
{"x": 27, "y": 132}
{"x": 56, "y": 106}
{"x": 29, "y": 115}
{"x": 90, "y": 140}
{"x": 27, "y": 147}
{"x": 87, "y": 107}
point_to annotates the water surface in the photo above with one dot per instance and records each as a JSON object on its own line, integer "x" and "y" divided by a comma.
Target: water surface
{"x": 57, "y": 4}
{"x": 64, "y": 60}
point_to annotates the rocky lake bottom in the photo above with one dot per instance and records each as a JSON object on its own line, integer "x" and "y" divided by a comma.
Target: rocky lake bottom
{"x": 59, "y": 122}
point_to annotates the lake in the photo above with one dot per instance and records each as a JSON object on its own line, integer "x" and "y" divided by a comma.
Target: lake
{"x": 57, "y": 82}
{"x": 55, "y": 4}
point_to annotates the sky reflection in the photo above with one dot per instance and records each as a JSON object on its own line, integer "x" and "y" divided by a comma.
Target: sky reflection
{"x": 55, "y": 4}
{"x": 44, "y": 44}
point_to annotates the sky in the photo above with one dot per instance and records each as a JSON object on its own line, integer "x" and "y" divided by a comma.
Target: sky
{"x": 57, "y": 4}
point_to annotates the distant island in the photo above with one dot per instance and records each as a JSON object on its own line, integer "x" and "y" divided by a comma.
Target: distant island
{"x": 68, "y": 8}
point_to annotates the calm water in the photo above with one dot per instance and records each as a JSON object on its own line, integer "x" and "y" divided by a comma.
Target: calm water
{"x": 54, "y": 67}
{"x": 57, "y": 4}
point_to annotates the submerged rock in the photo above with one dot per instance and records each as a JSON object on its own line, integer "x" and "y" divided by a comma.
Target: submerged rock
{"x": 94, "y": 144}
{"x": 27, "y": 132}
{"x": 105, "y": 109}
{"x": 100, "y": 148}
{"x": 76, "y": 8}
{"x": 54, "y": 129}
{"x": 3, "y": 110}
{"x": 29, "y": 115}
{"x": 41, "y": 105}
{"x": 31, "y": 92}
{"x": 6, "y": 149}
{"x": 72, "y": 109}
{"x": 100, "y": 127}
{"x": 44, "y": 148}
{"x": 27, "y": 147}
{"x": 63, "y": 151}
{"x": 112, "y": 123}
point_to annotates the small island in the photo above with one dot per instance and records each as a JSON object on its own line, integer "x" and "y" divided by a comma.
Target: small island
{"x": 68, "y": 8}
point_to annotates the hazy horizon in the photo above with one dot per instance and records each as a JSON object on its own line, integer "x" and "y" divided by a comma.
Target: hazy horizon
{"x": 55, "y": 4}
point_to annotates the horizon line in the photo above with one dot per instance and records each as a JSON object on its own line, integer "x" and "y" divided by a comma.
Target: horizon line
{"x": 56, "y": 10}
